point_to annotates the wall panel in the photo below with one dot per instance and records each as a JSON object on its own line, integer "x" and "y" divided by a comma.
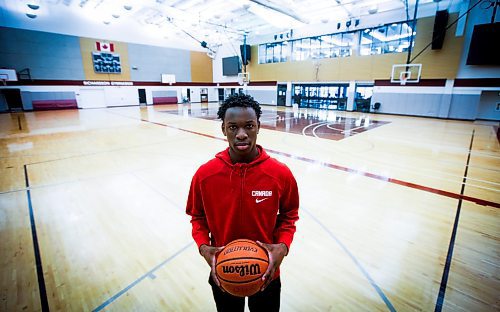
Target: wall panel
{"x": 201, "y": 67}
{"x": 87, "y": 46}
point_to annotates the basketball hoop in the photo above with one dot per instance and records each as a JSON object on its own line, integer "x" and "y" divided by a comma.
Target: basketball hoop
{"x": 403, "y": 77}
{"x": 243, "y": 79}
{"x": 4, "y": 78}
{"x": 403, "y": 81}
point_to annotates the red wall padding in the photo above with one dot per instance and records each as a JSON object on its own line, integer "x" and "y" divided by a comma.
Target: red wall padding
{"x": 54, "y": 104}
{"x": 165, "y": 100}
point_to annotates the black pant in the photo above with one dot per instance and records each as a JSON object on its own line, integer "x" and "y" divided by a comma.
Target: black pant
{"x": 263, "y": 301}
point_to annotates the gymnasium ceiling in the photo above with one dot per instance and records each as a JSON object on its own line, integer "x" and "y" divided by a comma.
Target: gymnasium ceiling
{"x": 187, "y": 23}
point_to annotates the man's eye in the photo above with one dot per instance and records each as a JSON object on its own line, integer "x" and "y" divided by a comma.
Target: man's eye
{"x": 250, "y": 126}
{"x": 232, "y": 127}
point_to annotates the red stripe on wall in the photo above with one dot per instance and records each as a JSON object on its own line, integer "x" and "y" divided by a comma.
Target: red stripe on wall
{"x": 48, "y": 82}
{"x": 421, "y": 83}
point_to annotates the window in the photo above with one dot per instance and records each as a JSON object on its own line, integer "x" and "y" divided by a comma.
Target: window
{"x": 391, "y": 38}
{"x": 269, "y": 53}
{"x": 315, "y": 48}
{"x": 285, "y": 51}
{"x": 262, "y": 54}
{"x": 326, "y": 46}
{"x": 274, "y": 52}
{"x": 303, "y": 47}
{"x": 277, "y": 53}
{"x": 347, "y": 43}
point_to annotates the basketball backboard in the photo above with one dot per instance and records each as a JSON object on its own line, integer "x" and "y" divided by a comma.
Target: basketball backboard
{"x": 7, "y": 75}
{"x": 244, "y": 78}
{"x": 406, "y": 73}
{"x": 168, "y": 78}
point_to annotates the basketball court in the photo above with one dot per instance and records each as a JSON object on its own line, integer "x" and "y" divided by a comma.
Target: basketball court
{"x": 105, "y": 191}
{"x": 397, "y": 162}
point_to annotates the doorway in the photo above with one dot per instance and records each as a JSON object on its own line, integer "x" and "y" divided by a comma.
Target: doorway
{"x": 13, "y": 99}
{"x": 281, "y": 95}
{"x": 221, "y": 94}
{"x": 363, "y": 97}
{"x": 142, "y": 96}
{"x": 321, "y": 96}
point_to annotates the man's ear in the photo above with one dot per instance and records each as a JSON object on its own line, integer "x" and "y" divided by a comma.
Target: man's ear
{"x": 223, "y": 128}
{"x": 258, "y": 126}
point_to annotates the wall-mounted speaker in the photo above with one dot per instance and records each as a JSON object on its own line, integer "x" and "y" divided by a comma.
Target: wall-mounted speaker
{"x": 245, "y": 54}
{"x": 440, "y": 23}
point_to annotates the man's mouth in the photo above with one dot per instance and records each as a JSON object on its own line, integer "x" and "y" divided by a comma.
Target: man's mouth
{"x": 242, "y": 146}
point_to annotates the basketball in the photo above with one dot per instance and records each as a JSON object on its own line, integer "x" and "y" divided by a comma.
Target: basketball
{"x": 240, "y": 266}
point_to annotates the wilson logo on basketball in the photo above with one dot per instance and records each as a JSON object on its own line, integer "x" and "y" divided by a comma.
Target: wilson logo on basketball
{"x": 240, "y": 248}
{"x": 242, "y": 270}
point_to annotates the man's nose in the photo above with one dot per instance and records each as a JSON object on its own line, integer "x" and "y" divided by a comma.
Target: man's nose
{"x": 241, "y": 134}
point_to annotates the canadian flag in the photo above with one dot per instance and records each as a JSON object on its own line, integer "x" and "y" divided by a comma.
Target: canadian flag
{"x": 104, "y": 46}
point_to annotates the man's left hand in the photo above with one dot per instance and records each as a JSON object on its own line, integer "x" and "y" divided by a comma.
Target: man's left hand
{"x": 276, "y": 254}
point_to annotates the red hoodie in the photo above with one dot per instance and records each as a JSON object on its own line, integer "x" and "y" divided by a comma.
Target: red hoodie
{"x": 256, "y": 201}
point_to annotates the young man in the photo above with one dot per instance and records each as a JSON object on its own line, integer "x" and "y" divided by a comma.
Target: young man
{"x": 244, "y": 193}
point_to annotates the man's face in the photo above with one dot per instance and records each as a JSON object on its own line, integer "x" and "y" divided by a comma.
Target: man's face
{"x": 240, "y": 126}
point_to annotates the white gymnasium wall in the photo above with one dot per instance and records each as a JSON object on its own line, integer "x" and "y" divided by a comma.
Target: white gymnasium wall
{"x": 416, "y": 101}
{"x": 266, "y": 95}
{"x": 213, "y": 95}
{"x": 226, "y": 50}
{"x": 121, "y": 96}
{"x": 114, "y": 95}
{"x": 439, "y": 102}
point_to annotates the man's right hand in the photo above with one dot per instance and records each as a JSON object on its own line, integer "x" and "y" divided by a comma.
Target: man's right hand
{"x": 209, "y": 254}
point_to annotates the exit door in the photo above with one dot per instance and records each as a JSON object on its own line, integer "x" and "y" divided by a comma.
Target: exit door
{"x": 281, "y": 95}
{"x": 13, "y": 99}
{"x": 142, "y": 96}
{"x": 221, "y": 94}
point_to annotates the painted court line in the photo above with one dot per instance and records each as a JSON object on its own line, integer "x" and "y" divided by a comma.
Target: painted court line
{"x": 354, "y": 259}
{"x": 36, "y": 247}
{"x": 449, "y": 256}
{"x": 137, "y": 281}
{"x": 478, "y": 201}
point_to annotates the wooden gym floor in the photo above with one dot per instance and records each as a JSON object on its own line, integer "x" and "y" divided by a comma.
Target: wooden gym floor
{"x": 397, "y": 213}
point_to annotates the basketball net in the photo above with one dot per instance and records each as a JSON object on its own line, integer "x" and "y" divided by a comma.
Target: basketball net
{"x": 403, "y": 77}
{"x": 403, "y": 80}
{"x": 243, "y": 79}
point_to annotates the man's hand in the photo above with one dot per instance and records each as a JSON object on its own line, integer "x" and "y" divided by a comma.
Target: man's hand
{"x": 209, "y": 254}
{"x": 276, "y": 254}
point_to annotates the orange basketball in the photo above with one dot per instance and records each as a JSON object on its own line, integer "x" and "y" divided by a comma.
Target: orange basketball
{"x": 240, "y": 266}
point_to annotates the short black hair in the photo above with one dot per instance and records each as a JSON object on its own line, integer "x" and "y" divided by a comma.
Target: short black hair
{"x": 239, "y": 100}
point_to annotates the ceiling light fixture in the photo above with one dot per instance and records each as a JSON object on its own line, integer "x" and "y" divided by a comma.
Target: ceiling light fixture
{"x": 373, "y": 9}
{"x": 33, "y": 6}
{"x": 31, "y": 10}
{"x": 127, "y": 7}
